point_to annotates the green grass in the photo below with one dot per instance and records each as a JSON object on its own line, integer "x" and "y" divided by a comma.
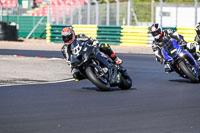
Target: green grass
{"x": 143, "y": 8}
{"x": 143, "y": 11}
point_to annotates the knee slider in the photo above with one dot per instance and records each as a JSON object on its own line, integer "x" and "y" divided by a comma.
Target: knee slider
{"x": 191, "y": 47}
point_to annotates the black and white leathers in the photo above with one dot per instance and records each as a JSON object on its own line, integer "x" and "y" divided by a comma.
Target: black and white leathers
{"x": 165, "y": 36}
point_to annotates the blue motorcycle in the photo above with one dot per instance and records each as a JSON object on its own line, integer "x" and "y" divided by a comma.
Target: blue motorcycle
{"x": 181, "y": 60}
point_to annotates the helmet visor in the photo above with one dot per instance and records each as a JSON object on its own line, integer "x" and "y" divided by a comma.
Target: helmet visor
{"x": 67, "y": 38}
{"x": 156, "y": 33}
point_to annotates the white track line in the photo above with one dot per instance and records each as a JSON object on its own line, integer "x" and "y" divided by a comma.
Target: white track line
{"x": 50, "y": 82}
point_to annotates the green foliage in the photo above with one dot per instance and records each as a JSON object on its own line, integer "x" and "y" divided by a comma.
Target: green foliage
{"x": 141, "y": 0}
{"x": 143, "y": 8}
{"x": 143, "y": 11}
{"x": 167, "y": 1}
{"x": 177, "y": 1}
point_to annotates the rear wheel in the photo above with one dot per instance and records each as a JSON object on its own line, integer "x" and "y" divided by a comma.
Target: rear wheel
{"x": 189, "y": 72}
{"x": 126, "y": 81}
{"x": 95, "y": 80}
{"x": 198, "y": 62}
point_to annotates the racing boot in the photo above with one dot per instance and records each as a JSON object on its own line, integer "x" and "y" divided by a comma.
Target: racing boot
{"x": 168, "y": 68}
{"x": 76, "y": 75}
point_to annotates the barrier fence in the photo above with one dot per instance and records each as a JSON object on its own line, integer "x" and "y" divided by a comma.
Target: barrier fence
{"x": 103, "y": 18}
{"x": 134, "y": 35}
{"x": 187, "y": 32}
{"x": 26, "y": 23}
{"x": 115, "y": 35}
{"x": 115, "y": 12}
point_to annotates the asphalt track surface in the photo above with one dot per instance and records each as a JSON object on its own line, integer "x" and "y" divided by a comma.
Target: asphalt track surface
{"x": 156, "y": 103}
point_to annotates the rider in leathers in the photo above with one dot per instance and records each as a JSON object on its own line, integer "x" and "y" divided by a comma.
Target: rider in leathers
{"x": 160, "y": 38}
{"x": 196, "y": 46}
{"x": 68, "y": 37}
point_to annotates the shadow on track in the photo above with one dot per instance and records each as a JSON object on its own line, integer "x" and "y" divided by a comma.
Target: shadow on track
{"x": 111, "y": 90}
{"x": 182, "y": 81}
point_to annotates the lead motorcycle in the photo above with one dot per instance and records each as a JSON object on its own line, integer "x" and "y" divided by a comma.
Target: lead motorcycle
{"x": 181, "y": 61}
{"x": 98, "y": 67}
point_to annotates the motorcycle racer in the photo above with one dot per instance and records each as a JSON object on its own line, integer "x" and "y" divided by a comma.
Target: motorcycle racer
{"x": 197, "y": 40}
{"x": 68, "y": 37}
{"x": 161, "y": 37}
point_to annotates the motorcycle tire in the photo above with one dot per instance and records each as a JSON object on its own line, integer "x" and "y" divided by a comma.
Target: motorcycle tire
{"x": 93, "y": 78}
{"x": 188, "y": 73}
{"x": 126, "y": 81}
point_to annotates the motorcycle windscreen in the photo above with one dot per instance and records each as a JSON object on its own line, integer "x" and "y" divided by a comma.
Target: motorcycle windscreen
{"x": 171, "y": 49}
{"x": 76, "y": 48}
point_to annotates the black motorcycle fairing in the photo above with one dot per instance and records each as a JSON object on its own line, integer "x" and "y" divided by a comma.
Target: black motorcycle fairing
{"x": 101, "y": 57}
{"x": 114, "y": 70}
{"x": 89, "y": 58}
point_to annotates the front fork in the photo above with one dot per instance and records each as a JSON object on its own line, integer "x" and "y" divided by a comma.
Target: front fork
{"x": 112, "y": 74}
{"x": 118, "y": 72}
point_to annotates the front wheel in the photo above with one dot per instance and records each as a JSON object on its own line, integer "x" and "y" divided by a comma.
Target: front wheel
{"x": 93, "y": 78}
{"x": 188, "y": 72}
{"x": 126, "y": 81}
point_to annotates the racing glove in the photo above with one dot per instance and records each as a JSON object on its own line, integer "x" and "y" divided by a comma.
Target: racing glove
{"x": 183, "y": 44}
{"x": 93, "y": 42}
